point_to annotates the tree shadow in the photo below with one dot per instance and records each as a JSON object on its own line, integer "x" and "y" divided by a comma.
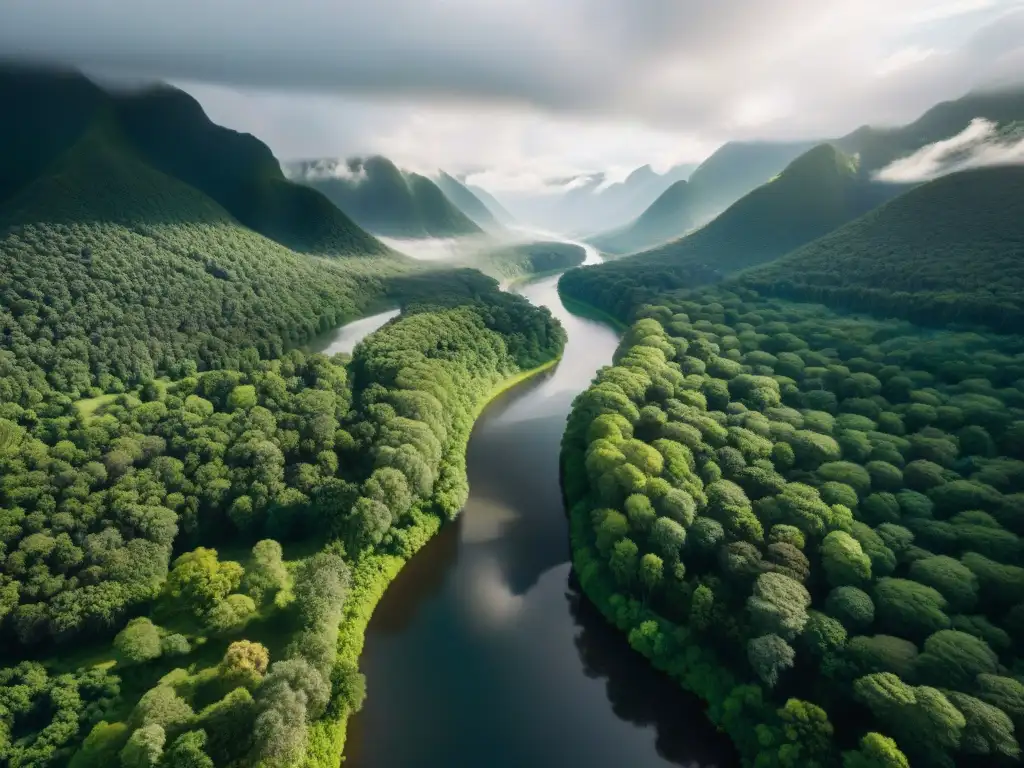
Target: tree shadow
{"x": 642, "y": 695}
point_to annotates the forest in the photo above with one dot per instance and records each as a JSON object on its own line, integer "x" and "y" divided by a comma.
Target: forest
{"x": 810, "y": 519}
{"x": 197, "y": 516}
{"x": 178, "y": 557}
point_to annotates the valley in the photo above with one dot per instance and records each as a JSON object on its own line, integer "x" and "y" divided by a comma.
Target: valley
{"x": 333, "y": 461}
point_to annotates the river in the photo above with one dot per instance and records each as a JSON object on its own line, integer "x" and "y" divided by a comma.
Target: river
{"x": 483, "y": 653}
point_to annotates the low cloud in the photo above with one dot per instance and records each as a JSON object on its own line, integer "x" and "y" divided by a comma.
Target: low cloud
{"x": 535, "y": 87}
{"x": 327, "y": 168}
{"x": 980, "y": 144}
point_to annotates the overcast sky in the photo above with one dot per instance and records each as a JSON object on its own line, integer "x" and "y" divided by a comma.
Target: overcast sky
{"x": 534, "y": 88}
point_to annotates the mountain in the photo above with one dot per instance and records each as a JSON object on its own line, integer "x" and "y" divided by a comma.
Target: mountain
{"x": 383, "y": 199}
{"x": 116, "y": 265}
{"x": 737, "y": 168}
{"x": 732, "y": 171}
{"x": 816, "y": 193}
{"x": 497, "y": 209}
{"x": 168, "y": 131}
{"x": 587, "y": 203}
{"x": 877, "y": 147}
{"x": 466, "y": 201}
{"x": 667, "y": 218}
{"x": 946, "y": 251}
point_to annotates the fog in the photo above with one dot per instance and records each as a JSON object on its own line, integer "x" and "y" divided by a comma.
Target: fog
{"x": 980, "y": 144}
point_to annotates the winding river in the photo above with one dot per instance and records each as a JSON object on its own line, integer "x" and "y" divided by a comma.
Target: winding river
{"x": 484, "y": 653}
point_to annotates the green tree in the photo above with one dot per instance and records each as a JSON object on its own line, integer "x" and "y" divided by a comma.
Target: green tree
{"x": 138, "y": 642}
{"x": 876, "y": 751}
{"x": 779, "y": 605}
{"x": 144, "y": 747}
{"x": 844, "y": 561}
{"x": 954, "y": 659}
{"x": 624, "y": 561}
{"x": 770, "y": 655}
{"x": 651, "y": 572}
{"x": 201, "y": 580}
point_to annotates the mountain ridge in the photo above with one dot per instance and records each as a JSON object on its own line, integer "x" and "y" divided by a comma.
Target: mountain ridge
{"x": 383, "y": 199}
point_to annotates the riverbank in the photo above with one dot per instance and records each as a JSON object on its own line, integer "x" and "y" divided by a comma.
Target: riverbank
{"x": 371, "y": 577}
{"x": 589, "y": 311}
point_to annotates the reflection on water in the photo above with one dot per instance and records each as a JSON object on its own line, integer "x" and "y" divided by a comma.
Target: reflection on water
{"x": 345, "y": 338}
{"x": 483, "y": 653}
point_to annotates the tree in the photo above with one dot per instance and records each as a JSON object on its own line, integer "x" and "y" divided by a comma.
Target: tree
{"x": 623, "y": 561}
{"x": 187, "y": 751}
{"x": 702, "y": 607}
{"x": 844, "y": 561}
{"x": 779, "y": 605}
{"x": 368, "y": 521}
{"x": 266, "y": 574}
{"x": 907, "y": 608}
{"x": 880, "y": 653}
{"x": 175, "y": 645}
{"x": 230, "y": 614}
{"x": 876, "y": 751}
{"x": 242, "y": 398}
{"x": 954, "y": 659}
{"x": 987, "y": 731}
{"x": 852, "y": 606}
{"x": 640, "y": 513}
{"x": 144, "y": 747}
{"x": 651, "y": 572}
{"x": 138, "y": 642}
{"x": 229, "y": 723}
{"x": 201, "y": 580}
{"x": 923, "y": 719}
{"x": 668, "y": 538}
{"x": 102, "y": 746}
{"x": 161, "y": 706}
{"x": 1004, "y": 693}
{"x": 244, "y": 663}
{"x": 770, "y": 655}
{"x": 610, "y": 526}
{"x": 823, "y": 635}
{"x": 809, "y": 732}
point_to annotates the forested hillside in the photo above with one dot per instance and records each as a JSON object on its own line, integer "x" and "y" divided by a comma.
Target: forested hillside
{"x": 812, "y": 521}
{"x": 467, "y": 201}
{"x": 949, "y": 251}
{"x": 112, "y": 272}
{"x": 385, "y": 200}
{"x": 167, "y": 130}
{"x": 666, "y": 219}
{"x": 877, "y": 147}
{"x": 815, "y": 194}
{"x": 521, "y": 261}
{"x": 733, "y": 170}
{"x": 197, "y": 518}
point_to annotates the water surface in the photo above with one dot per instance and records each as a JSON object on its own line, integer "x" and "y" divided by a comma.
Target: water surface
{"x": 345, "y": 337}
{"x": 483, "y": 653}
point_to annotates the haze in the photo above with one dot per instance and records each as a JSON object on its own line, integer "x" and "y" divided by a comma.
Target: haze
{"x": 523, "y": 94}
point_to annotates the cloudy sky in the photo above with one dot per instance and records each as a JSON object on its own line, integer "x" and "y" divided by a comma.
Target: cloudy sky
{"x": 528, "y": 89}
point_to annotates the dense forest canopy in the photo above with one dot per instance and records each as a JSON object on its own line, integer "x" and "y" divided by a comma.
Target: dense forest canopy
{"x": 196, "y": 516}
{"x": 946, "y": 252}
{"x": 812, "y": 518}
